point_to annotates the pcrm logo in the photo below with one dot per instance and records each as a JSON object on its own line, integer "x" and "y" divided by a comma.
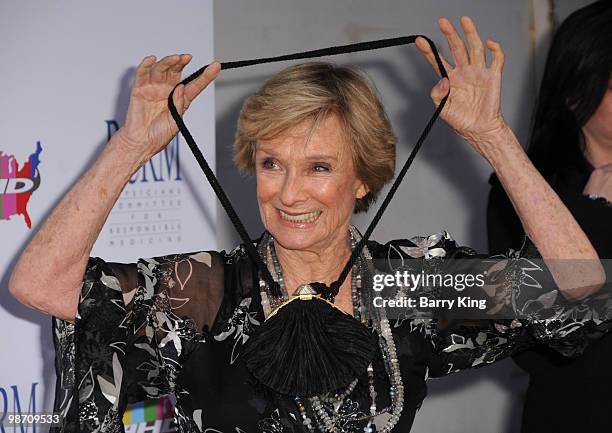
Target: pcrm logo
{"x": 165, "y": 165}
{"x": 17, "y": 184}
{"x": 16, "y": 401}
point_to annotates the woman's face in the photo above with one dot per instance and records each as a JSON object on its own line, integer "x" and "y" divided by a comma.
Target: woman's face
{"x": 307, "y": 187}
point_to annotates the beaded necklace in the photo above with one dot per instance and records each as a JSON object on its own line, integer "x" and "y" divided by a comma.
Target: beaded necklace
{"x": 302, "y": 378}
{"x": 325, "y": 409}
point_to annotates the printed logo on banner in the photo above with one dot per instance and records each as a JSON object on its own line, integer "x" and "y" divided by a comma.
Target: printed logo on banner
{"x": 151, "y": 416}
{"x": 18, "y": 400}
{"x": 18, "y": 184}
{"x": 148, "y": 212}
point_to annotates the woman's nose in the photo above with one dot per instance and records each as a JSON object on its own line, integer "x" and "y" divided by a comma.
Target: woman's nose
{"x": 292, "y": 191}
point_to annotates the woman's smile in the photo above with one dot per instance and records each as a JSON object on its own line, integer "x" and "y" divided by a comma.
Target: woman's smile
{"x": 299, "y": 220}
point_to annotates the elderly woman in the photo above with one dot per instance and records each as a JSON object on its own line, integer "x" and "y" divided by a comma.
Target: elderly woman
{"x": 321, "y": 147}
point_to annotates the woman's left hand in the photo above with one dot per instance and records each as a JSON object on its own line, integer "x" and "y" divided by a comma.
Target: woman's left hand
{"x": 473, "y": 106}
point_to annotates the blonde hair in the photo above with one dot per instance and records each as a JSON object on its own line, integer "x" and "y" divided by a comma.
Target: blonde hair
{"x": 312, "y": 91}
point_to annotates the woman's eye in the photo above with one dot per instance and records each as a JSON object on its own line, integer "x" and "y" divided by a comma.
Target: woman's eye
{"x": 268, "y": 164}
{"x": 320, "y": 168}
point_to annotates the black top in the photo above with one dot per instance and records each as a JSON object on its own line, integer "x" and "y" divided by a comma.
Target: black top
{"x": 191, "y": 314}
{"x": 564, "y": 394}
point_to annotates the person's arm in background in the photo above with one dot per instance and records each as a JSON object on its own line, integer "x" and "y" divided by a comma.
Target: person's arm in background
{"x": 49, "y": 272}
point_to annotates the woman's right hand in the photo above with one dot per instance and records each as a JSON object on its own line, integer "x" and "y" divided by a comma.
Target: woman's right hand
{"x": 59, "y": 265}
{"x": 149, "y": 126}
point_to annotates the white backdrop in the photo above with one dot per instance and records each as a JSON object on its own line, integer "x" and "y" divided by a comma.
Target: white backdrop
{"x": 65, "y": 80}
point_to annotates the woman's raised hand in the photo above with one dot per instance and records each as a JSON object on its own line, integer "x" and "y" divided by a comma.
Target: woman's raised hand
{"x": 473, "y": 106}
{"x": 149, "y": 126}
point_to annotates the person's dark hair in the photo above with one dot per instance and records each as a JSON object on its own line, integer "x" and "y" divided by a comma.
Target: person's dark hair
{"x": 575, "y": 80}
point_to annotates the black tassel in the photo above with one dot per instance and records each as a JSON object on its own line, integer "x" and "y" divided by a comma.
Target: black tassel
{"x": 309, "y": 348}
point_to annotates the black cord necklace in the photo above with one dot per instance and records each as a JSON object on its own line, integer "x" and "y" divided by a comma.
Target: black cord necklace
{"x": 320, "y": 337}
{"x": 328, "y": 292}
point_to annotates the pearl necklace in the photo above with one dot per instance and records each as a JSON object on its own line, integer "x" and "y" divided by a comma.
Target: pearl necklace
{"x": 327, "y": 419}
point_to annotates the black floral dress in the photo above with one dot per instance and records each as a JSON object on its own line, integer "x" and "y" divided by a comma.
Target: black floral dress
{"x": 182, "y": 335}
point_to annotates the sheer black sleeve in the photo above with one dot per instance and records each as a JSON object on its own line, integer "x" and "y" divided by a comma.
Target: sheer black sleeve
{"x": 115, "y": 353}
{"x": 524, "y": 304}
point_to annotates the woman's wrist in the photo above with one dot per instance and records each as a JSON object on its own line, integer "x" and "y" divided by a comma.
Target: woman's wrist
{"x": 128, "y": 154}
{"x": 498, "y": 145}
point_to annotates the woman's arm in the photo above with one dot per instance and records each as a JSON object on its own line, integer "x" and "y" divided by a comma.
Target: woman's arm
{"x": 49, "y": 272}
{"x": 512, "y": 307}
{"x": 564, "y": 246}
{"x": 473, "y": 111}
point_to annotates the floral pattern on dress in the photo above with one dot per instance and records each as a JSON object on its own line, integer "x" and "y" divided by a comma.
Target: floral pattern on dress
{"x": 114, "y": 354}
{"x": 271, "y": 424}
{"x": 241, "y": 324}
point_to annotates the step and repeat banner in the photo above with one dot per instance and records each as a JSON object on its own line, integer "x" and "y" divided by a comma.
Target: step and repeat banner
{"x": 65, "y": 81}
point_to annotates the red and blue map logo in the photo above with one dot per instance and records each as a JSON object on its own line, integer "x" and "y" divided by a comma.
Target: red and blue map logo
{"x": 17, "y": 184}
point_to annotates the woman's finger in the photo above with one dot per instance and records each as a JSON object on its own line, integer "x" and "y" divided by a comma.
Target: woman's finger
{"x": 497, "y": 63}
{"x": 160, "y": 69}
{"x": 179, "y": 98}
{"x": 143, "y": 71}
{"x": 455, "y": 43}
{"x": 194, "y": 87}
{"x": 439, "y": 91}
{"x": 177, "y": 69}
{"x": 477, "y": 55}
{"x": 427, "y": 52}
